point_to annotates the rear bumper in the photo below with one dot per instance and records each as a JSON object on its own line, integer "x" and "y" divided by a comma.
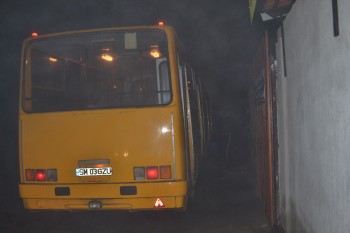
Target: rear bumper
{"x": 78, "y": 196}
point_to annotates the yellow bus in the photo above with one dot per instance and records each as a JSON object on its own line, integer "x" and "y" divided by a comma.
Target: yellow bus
{"x": 109, "y": 118}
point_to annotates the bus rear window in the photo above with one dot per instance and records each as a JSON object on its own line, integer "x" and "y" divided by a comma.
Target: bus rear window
{"x": 113, "y": 69}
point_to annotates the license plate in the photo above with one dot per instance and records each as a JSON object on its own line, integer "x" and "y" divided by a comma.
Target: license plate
{"x": 103, "y": 171}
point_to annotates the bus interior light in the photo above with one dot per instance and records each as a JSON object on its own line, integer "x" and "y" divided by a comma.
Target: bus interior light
{"x": 40, "y": 175}
{"x": 154, "y": 51}
{"x": 107, "y": 57}
{"x": 152, "y": 173}
{"x": 52, "y": 59}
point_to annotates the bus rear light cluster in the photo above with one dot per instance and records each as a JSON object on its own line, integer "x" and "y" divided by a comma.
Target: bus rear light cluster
{"x": 41, "y": 175}
{"x": 152, "y": 172}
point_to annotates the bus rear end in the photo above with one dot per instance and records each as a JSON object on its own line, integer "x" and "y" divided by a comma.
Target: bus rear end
{"x": 100, "y": 125}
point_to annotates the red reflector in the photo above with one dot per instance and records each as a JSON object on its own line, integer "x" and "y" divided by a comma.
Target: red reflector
{"x": 40, "y": 175}
{"x": 34, "y": 34}
{"x": 152, "y": 173}
{"x": 159, "y": 204}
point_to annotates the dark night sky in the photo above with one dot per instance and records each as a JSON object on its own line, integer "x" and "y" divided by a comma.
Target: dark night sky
{"x": 217, "y": 35}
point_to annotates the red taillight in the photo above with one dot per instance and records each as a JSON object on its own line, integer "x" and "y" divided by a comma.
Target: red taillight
{"x": 40, "y": 175}
{"x": 152, "y": 173}
{"x": 160, "y": 23}
{"x": 34, "y": 34}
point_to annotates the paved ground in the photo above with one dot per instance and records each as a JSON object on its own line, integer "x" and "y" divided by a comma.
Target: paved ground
{"x": 225, "y": 202}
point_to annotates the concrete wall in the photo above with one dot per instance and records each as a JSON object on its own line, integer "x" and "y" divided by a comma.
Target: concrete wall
{"x": 314, "y": 119}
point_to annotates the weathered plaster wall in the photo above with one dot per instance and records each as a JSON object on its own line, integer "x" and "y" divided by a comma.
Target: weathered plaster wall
{"x": 314, "y": 119}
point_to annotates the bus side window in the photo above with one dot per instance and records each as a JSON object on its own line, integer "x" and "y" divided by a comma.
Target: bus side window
{"x": 163, "y": 81}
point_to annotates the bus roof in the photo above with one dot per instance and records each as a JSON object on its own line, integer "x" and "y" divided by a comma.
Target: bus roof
{"x": 36, "y": 35}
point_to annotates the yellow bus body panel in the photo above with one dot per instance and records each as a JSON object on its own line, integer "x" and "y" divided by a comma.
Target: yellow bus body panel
{"x": 37, "y": 196}
{"x": 127, "y": 138}
{"x": 133, "y": 204}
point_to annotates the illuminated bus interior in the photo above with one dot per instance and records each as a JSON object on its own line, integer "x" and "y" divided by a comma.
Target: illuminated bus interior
{"x": 97, "y": 70}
